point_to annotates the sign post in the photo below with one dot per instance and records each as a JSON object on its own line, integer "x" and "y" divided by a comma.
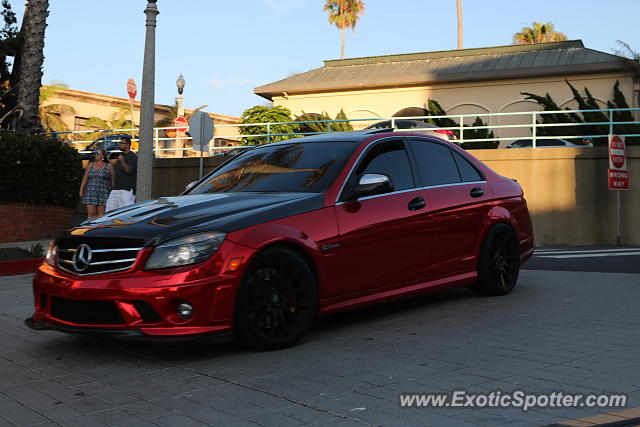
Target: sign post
{"x": 132, "y": 90}
{"x": 618, "y": 176}
{"x": 201, "y": 129}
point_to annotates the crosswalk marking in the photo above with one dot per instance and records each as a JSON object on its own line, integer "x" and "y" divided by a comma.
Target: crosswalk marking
{"x": 585, "y": 253}
{"x": 589, "y": 255}
{"x": 581, "y": 251}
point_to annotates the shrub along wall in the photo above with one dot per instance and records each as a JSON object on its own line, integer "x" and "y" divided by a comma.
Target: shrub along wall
{"x": 39, "y": 182}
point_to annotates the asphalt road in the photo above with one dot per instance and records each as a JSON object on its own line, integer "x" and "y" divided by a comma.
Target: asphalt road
{"x": 559, "y": 330}
{"x": 603, "y": 259}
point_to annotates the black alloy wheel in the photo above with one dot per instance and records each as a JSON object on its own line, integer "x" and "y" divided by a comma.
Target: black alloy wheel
{"x": 499, "y": 262}
{"x": 277, "y": 299}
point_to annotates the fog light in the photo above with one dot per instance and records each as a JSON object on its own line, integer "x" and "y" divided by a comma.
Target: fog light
{"x": 184, "y": 310}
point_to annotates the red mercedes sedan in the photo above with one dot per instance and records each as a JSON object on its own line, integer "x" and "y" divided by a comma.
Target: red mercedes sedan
{"x": 285, "y": 232}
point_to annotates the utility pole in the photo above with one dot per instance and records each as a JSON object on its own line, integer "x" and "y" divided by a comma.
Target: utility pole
{"x": 145, "y": 148}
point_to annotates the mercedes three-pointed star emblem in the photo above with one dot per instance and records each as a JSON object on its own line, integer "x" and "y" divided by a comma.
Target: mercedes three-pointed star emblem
{"x": 82, "y": 257}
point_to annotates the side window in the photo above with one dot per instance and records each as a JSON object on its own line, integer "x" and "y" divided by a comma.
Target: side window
{"x": 467, "y": 171}
{"x": 436, "y": 163}
{"x": 389, "y": 158}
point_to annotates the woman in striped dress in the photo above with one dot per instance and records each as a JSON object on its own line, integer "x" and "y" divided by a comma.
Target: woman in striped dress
{"x": 97, "y": 182}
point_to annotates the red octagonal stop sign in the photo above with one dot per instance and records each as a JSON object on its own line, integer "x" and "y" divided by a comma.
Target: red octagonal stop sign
{"x": 617, "y": 154}
{"x": 181, "y": 124}
{"x": 132, "y": 89}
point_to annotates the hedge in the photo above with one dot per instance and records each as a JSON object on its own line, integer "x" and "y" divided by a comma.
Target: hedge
{"x": 39, "y": 170}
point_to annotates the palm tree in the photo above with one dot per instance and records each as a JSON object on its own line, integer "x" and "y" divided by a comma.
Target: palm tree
{"x": 52, "y": 115}
{"x": 459, "y": 7}
{"x": 121, "y": 119}
{"x": 32, "y": 58}
{"x": 538, "y": 33}
{"x": 344, "y": 14}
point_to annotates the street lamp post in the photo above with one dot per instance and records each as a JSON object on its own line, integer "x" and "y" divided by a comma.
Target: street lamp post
{"x": 180, "y": 82}
{"x": 145, "y": 147}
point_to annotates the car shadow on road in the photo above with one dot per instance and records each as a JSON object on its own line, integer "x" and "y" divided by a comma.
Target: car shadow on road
{"x": 331, "y": 327}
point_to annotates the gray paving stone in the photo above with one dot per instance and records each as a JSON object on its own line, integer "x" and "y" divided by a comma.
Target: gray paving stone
{"x": 556, "y": 331}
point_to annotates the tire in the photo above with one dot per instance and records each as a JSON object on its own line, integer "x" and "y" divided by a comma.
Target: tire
{"x": 277, "y": 300}
{"x": 498, "y": 262}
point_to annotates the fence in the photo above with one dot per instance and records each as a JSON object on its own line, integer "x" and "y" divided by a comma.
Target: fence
{"x": 530, "y": 125}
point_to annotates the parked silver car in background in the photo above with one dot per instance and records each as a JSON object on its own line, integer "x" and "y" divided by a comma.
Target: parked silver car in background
{"x": 416, "y": 126}
{"x": 553, "y": 142}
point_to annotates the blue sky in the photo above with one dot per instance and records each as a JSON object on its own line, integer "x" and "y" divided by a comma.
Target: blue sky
{"x": 226, "y": 48}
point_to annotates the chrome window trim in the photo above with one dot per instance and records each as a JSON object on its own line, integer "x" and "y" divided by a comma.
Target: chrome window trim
{"x": 411, "y": 189}
{"x": 453, "y": 184}
{"x": 375, "y": 141}
{"x": 379, "y": 195}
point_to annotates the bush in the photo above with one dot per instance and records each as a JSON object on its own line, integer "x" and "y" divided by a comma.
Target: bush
{"x": 262, "y": 114}
{"x": 39, "y": 170}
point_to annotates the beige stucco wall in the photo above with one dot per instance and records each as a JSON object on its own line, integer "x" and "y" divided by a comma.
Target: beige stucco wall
{"x": 566, "y": 190}
{"x": 87, "y": 105}
{"x": 500, "y": 96}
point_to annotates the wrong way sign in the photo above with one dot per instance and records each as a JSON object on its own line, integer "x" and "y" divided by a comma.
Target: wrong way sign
{"x": 618, "y": 175}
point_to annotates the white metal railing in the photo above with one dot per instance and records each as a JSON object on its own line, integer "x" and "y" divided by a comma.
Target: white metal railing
{"x": 165, "y": 146}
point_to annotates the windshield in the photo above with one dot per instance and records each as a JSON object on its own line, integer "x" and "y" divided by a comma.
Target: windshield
{"x": 297, "y": 167}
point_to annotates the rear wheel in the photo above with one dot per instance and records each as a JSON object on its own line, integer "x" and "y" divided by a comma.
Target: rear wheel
{"x": 498, "y": 262}
{"x": 276, "y": 301}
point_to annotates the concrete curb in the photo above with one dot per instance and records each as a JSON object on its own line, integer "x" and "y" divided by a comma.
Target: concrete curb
{"x": 19, "y": 266}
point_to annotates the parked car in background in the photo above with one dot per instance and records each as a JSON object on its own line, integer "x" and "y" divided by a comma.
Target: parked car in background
{"x": 109, "y": 143}
{"x": 425, "y": 128}
{"x": 284, "y": 232}
{"x": 553, "y": 142}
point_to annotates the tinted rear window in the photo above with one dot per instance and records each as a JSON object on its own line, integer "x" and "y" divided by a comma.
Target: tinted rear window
{"x": 297, "y": 167}
{"x": 468, "y": 172}
{"x": 436, "y": 163}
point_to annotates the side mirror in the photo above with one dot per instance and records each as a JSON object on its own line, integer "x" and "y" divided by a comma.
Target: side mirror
{"x": 371, "y": 184}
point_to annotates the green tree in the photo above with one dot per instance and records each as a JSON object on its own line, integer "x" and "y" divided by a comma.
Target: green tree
{"x": 435, "y": 109}
{"x": 9, "y": 46}
{"x": 8, "y": 40}
{"x": 52, "y": 115}
{"x": 32, "y": 58}
{"x": 264, "y": 114}
{"x": 344, "y": 14}
{"x": 586, "y": 102}
{"x": 321, "y": 126}
{"x": 632, "y": 58}
{"x": 539, "y": 32}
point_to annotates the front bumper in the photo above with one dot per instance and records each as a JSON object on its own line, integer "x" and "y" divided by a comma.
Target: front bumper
{"x": 215, "y": 335}
{"x": 139, "y": 304}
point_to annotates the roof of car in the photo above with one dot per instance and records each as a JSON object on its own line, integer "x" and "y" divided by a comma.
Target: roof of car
{"x": 351, "y": 136}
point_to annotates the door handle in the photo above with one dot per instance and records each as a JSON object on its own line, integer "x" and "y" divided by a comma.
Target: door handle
{"x": 416, "y": 204}
{"x": 476, "y": 192}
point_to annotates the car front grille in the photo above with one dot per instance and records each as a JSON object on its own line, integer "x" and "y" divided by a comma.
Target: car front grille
{"x": 88, "y": 312}
{"x": 89, "y": 256}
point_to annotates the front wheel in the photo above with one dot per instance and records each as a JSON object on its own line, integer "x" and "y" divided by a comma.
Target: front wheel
{"x": 498, "y": 262}
{"x": 276, "y": 302}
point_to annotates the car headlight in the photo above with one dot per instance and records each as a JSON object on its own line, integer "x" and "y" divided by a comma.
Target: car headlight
{"x": 52, "y": 253}
{"x": 185, "y": 250}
